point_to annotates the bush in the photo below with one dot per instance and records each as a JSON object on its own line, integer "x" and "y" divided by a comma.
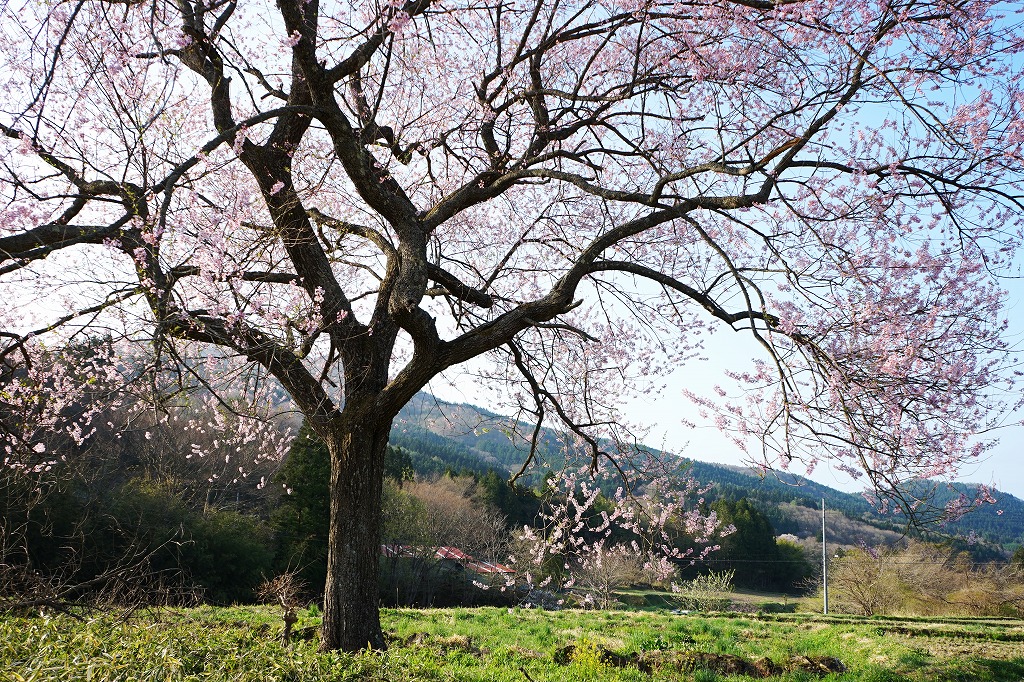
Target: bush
{"x": 228, "y": 555}
{"x": 710, "y": 592}
{"x": 923, "y": 579}
{"x": 223, "y": 554}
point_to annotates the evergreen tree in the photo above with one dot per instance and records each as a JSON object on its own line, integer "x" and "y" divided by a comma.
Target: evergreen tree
{"x": 751, "y": 550}
{"x": 519, "y": 504}
{"x": 302, "y": 518}
{"x": 398, "y": 465}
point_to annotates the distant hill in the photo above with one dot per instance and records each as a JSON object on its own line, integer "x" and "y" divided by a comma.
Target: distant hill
{"x": 442, "y": 436}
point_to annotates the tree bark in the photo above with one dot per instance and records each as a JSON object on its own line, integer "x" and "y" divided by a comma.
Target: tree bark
{"x": 351, "y": 619}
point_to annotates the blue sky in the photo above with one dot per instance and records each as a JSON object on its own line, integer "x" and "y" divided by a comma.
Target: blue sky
{"x": 1003, "y": 465}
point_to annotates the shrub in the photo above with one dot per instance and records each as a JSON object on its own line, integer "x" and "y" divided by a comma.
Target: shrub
{"x": 710, "y": 592}
{"x": 228, "y": 555}
{"x": 923, "y": 579}
{"x": 223, "y": 553}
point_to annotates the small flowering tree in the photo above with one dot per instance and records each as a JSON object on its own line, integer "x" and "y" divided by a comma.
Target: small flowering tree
{"x": 353, "y": 198}
{"x": 606, "y": 569}
{"x": 592, "y": 545}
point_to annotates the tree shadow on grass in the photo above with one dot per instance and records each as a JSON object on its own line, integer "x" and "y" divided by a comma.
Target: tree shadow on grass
{"x": 1004, "y": 669}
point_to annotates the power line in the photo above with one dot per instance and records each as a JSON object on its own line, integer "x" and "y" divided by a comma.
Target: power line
{"x": 847, "y": 559}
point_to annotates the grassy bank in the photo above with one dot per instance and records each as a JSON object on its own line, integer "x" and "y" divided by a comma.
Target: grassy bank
{"x": 519, "y": 645}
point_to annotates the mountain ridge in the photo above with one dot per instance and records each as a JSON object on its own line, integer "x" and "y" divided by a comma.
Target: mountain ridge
{"x": 458, "y": 436}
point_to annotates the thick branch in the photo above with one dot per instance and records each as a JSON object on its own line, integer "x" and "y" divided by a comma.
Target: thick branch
{"x": 703, "y": 299}
{"x": 457, "y": 289}
{"x": 45, "y": 239}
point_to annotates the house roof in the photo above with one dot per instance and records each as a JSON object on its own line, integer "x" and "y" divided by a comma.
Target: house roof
{"x": 467, "y": 561}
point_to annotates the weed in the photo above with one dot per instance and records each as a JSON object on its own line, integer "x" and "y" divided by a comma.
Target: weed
{"x": 585, "y": 660}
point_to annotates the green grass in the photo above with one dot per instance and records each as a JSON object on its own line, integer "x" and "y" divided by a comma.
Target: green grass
{"x": 497, "y": 645}
{"x": 648, "y": 599}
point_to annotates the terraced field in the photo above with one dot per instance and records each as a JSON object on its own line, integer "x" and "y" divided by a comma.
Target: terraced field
{"x": 512, "y": 645}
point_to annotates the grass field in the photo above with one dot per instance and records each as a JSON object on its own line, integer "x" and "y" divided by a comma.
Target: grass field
{"x": 744, "y": 600}
{"x": 513, "y": 645}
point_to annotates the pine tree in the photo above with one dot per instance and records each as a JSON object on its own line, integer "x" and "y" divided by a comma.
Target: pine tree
{"x": 302, "y": 519}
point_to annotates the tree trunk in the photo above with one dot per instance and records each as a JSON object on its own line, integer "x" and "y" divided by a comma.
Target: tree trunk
{"x": 351, "y": 610}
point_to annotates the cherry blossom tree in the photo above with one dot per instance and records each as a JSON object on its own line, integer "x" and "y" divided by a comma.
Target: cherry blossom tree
{"x": 354, "y": 198}
{"x": 594, "y": 544}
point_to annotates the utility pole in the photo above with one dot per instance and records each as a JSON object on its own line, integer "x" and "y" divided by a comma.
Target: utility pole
{"x": 824, "y": 559}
